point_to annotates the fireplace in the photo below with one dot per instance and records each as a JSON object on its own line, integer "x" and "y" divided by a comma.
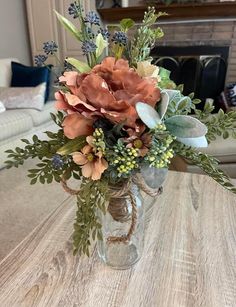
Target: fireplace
{"x": 202, "y": 48}
{"x": 201, "y": 68}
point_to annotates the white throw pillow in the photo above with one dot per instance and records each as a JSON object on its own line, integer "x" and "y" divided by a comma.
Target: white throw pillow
{"x": 5, "y": 71}
{"x": 23, "y": 97}
{"x": 2, "y": 107}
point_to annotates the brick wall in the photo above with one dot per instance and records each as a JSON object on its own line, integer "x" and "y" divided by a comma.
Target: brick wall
{"x": 215, "y": 33}
{"x": 202, "y": 32}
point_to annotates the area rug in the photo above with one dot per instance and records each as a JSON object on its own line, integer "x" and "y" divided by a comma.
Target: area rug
{"x": 22, "y": 206}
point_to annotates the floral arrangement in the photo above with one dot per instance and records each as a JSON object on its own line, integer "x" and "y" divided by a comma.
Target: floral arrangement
{"x": 117, "y": 113}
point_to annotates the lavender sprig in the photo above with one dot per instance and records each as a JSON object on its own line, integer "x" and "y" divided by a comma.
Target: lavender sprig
{"x": 50, "y": 47}
{"x": 88, "y": 47}
{"x": 104, "y": 33}
{"x": 120, "y": 38}
{"x": 74, "y": 9}
{"x": 92, "y": 18}
{"x": 40, "y": 60}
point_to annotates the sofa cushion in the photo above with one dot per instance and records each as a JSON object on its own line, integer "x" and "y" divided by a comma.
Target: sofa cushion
{"x": 5, "y": 71}
{"x": 23, "y": 97}
{"x": 40, "y": 117}
{"x": 223, "y": 150}
{"x": 23, "y": 76}
{"x": 14, "y": 122}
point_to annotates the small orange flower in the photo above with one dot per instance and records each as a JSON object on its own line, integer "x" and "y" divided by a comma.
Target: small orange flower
{"x": 92, "y": 163}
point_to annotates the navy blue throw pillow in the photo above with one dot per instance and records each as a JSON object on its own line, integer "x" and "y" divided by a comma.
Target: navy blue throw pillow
{"x": 23, "y": 76}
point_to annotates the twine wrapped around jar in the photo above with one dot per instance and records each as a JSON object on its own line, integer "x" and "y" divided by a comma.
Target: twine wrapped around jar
{"x": 117, "y": 208}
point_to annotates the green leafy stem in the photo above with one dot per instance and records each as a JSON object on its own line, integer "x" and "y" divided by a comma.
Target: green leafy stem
{"x": 207, "y": 163}
{"x": 145, "y": 37}
{"x": 91, "y": 198}
{"x": 44, "y": 150}
{"x": 221, "y": 124}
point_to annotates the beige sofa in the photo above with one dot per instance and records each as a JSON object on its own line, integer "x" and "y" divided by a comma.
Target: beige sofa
{"x": 17, "y": 124}
{"x": 22, "y": 124}
{"x": 224, "y": 151}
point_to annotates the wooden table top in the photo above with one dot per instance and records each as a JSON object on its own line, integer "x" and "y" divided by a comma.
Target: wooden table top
{"x": 189, "y": 257}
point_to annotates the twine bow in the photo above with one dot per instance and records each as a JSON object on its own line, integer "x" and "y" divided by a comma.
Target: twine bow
{"x": 117, "y": 212}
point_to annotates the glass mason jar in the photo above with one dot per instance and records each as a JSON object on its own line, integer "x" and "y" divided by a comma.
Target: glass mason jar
{"x": 122, "y": 228}
{"x": 153, "y": 177}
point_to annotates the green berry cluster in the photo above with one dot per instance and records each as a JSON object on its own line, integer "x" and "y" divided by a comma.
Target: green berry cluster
{"x": 124, "y": 159}
{"x": 159, "y": 128}
{"x": 160, "y": 153}
{"x": 98, "y": 141}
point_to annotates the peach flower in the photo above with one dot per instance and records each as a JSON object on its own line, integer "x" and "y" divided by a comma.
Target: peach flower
{"x": 110, "y": 90}
{"x": 92, "y": 163}
{"x": 77, "y": 125}
{"x": 142, "y": 142}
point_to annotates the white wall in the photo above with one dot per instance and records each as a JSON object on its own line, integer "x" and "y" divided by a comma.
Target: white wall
{"x": 14, "y": 40}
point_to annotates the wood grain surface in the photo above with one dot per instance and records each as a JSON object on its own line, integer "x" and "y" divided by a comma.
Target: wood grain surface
{"x": 189, "y": 257}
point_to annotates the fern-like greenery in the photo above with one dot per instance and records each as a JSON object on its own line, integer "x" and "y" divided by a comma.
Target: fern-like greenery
{"x": 145, "y": 37}
{"x": 91, "y": 198}
{"x": 207, "y": 163}
{"x": 221, "y": 124}
{"x": 44, "y": 150}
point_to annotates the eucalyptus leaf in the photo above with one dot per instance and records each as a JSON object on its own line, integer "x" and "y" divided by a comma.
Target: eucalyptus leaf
{"x": 184, "y": 126}
{"x": 79, "y": 65}
{"x": 173, "y": 94}
{"x": 69, "y": 26}
{"x": 163, "y": 105}
{"x": 198, "y": 142}
{"x": 148, "y": 115}
{"x": 183, "y": 102}
{"x": 179, "y": 100}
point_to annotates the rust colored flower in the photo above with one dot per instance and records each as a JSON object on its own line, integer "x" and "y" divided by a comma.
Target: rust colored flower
{"x": 92, "y": 163}
{"x": 76, "y": 124}
{"x": 110, "y": 90}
